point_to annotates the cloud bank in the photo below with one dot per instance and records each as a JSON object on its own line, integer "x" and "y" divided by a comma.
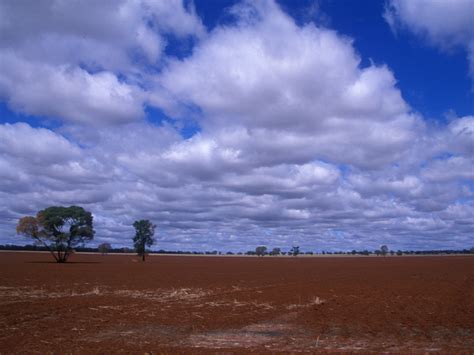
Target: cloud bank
{"x": 297, "y": 143}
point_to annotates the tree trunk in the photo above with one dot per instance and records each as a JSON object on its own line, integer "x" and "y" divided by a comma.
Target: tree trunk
{"x": 62, "y": 256}
{"x": 143, "y": 256}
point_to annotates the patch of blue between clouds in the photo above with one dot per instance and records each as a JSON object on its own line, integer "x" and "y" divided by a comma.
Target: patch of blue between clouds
{"x": 215, "y": 12}
{"x": 186, "y": 127}
{"x": 91, "y": 68}
{"x": 344, "y": 169}
{"x": 304, "y": 11}
{"x": 7, "y": 115}
{"x": 177, "y": 47}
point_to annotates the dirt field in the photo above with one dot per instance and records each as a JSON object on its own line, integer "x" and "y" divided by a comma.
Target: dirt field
{"x": 199, "y": 304}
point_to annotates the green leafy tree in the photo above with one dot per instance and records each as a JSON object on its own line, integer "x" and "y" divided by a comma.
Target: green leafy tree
{"x": 59, "y": 229}
{"x": 260, "y": 251}
{"x": 384, "y": 250}
{"x": 104, "y": 248}
{"x": 275, "y": 251}
{"x": 144, "y": 231}
{"x": 295, "y": 250}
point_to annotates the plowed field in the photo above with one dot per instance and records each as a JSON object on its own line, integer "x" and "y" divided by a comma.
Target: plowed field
{"x": 115, "y": 303}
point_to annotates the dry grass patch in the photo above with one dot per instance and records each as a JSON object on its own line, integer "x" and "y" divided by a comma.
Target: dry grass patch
{"x": 315, "y": 301}
{"x": 160, "y": 295}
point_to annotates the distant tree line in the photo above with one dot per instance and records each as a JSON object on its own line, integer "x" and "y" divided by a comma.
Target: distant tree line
{"x": 273, "y": 252}
{"x": 63, "y": 231}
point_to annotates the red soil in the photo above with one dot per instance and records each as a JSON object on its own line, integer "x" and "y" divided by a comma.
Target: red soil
{"x": 199, "y": 304}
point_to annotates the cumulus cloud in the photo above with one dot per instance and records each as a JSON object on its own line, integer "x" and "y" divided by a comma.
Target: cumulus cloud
{"x": 70, "y": 94}
{"x": 445, "y": 24}
{"x": 293, "y": 88}
{"x": 40, "y": 145}
{"x": 298, "y": 143}
{"x": 461, "y": 135}
{"x": 100, "y": 35}
{"x": 79, "y": 62}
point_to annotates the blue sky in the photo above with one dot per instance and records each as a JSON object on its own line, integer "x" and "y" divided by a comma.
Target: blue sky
{"x": 333, "y": 125}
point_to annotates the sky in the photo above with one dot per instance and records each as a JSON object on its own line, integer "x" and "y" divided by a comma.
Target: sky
{"x": 331, "y": 124}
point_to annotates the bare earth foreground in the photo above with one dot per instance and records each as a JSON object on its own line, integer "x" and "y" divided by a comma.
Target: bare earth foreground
{"x": 173, "y": 304}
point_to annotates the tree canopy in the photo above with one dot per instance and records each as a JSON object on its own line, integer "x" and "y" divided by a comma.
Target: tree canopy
{"x": 144, "y": 231}
{"x": 275, "y": 251}
{"x": 261, "y": 250}
{"x": 59, "y": 229}
{"x": 103, "y": 248}
{"x": 295, "y": 250}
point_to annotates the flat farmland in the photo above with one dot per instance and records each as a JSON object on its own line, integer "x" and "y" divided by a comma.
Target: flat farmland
{"x": 168, "y": 304}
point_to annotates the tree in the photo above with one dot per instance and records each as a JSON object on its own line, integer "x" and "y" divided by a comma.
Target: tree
{"x": 58, "y": 229}
{"x": 384, "y": 250}
{"x": 144, "y": 231}
{"x": 275, "y": 251}
{"x": 104, "y": 248}
{"x": 295, "y": 251}
{"x": 260, "y": 251}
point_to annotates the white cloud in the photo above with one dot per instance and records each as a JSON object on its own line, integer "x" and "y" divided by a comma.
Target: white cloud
{"x": 82, "y": 62}
{"x": 35, "y": 145}
{"x": 461, "y": 137}
{"x": 450, "y": 169}
{"x": 293, "y": 88}
{"x": 68, "y": 93}
{"x": 446, "y": 24}
{"x": 101, "y": 35}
